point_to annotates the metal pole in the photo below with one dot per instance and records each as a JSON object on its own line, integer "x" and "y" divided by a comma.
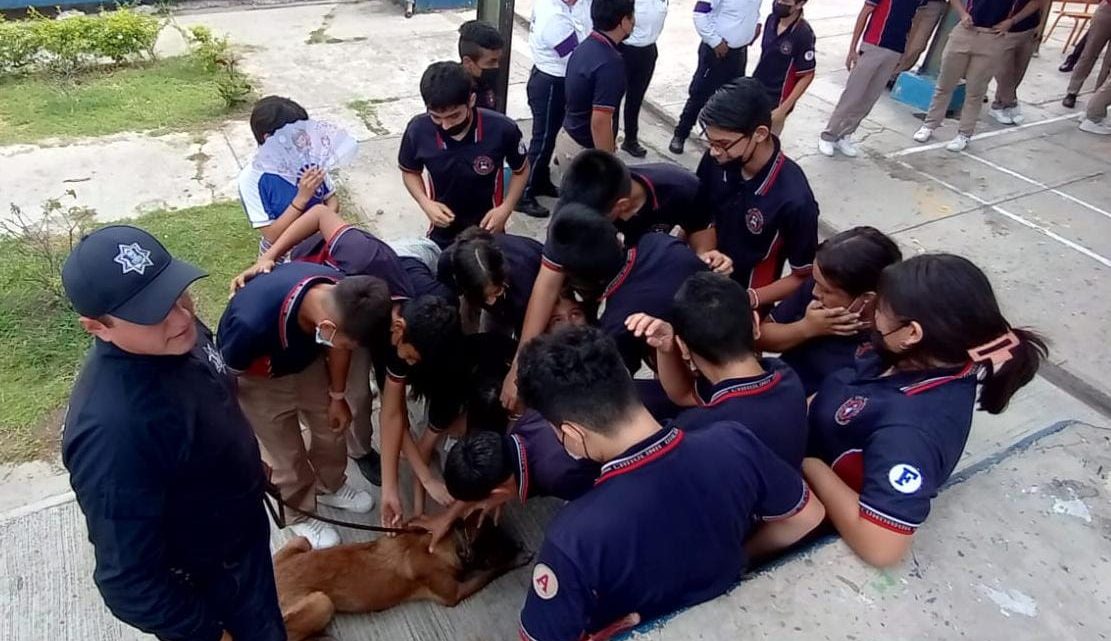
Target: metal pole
{"x": 500, "y": 14}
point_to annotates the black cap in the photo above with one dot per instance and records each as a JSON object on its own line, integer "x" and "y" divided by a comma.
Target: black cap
{"x": 125, "y": 272}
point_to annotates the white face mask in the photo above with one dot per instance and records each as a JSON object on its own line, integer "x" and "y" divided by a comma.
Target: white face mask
{"x": 326, "y": 342}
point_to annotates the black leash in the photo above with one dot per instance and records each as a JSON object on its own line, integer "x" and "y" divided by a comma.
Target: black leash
{"x": 277, "y": 512}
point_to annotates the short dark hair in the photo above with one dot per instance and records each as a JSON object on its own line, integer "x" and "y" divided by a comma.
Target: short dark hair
{"x": 607, "y": 14}
{"x": 445, "y": 85}
{"x": 711, "y": 313}
{"x": 854, "y": 259}
{"x": 363, "y": 304}
{"x": 476, "y": 465}
{"x": 476, "y": 35}
{"x": 597, "y": 179}
{"x": 586, "y": 242}
{"x": 475, "y": 263}
{"x": 576, "y": 374}
{"x": 740, "y": 106}
{"x": 271, "y": 113}
{"x": 431, "y": 326}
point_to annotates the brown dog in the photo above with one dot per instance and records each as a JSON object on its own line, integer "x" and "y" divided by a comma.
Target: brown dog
{"x": 368, "y": 577}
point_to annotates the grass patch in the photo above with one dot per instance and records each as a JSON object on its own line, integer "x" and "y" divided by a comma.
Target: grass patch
{"x": 169, "y": 94}
{"x": 42, "y": 346}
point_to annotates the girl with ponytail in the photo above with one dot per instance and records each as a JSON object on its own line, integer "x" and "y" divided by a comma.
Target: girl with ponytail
{"x": 886, "y": 435}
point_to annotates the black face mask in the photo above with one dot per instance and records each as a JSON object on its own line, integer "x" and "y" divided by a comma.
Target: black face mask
{"x": 782, "y": 10}
{"x": 488, "y": 77}
{"x": 739, "y": 162}
{"x": 455, "y": 130}
{"x": 887, "y": 356}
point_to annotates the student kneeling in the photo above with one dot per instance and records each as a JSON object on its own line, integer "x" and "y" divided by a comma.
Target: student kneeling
{"x": 639, "y": 545}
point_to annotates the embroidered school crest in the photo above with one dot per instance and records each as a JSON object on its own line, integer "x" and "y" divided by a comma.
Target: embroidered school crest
{"x": 786, "y": 47}
{"x": 850, "y": 409}
{"x": 483, "y": 165}
{"x": 133, "y": 258}
{"x": 754, "y": 220}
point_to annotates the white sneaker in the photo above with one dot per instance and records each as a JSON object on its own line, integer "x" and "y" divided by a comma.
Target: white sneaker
{"x": 847, "y": 146}
{"x": 825, "y": 147}
{"x": 348, "y": 498}
{"x": 1002, "y": 115}
{"x": 1016, "y": 114}
{"x": 958, "y": 143}
{"x": 320, "y": 535}
{"x": 923, "y": 134}
{"x": 1093, "y": 127}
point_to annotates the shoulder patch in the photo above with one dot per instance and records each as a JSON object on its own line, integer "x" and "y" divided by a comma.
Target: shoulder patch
{"x": 809, "y": 55}
{"x": 544, "y": 582}
{"x": 905, "y": 478}
{"x": 850, "y": 409}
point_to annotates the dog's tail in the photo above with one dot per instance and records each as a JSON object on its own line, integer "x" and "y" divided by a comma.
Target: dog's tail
{"x": 308, "y": 615}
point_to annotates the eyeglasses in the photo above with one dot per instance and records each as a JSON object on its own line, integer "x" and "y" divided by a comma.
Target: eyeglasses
{"x": 718, "y": 145}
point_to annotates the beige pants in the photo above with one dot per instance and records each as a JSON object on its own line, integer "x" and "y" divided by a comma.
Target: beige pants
{"x": 1099, "y": 34}
{"x": 1016, "y": 57}
{"x": 360, "y": 399}
{"x": 276, "y": 408}
{"x": 565, "y": 151}
{"x": 922, "y": 29}
{"x": 972, "y": 55}
{"x": 1098, "y": 103}
{"x": 863, "y": 88}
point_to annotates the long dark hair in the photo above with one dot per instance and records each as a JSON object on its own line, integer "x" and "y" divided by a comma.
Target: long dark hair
{"x": 854, "y": 259}
{"x": 954, "y": 303}
{"x": 475, "y": 263}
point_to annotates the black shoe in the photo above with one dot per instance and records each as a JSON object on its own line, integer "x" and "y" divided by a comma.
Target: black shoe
{"x": 1067, "y": 65}
{"x": 1069, "y": 101}
{"x": 546, "y": 190}
{"x": 634, "y": 149}
{"x": 529, "y": 207}
{"x": 371, "y": 467}
{"x": 676, "y": 146}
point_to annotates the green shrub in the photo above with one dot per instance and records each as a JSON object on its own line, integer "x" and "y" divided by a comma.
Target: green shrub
{"x": 122, "y": 34}
{"x": 19, "y": 46}
{"x": 70, "y": 44}
{"x": 215, "y": 55}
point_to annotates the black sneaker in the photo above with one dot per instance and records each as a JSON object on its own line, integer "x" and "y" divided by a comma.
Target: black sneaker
{"x": 549, "y": 190}
{"x": 634, "y": 149}
{"x": 530, "y": 207}
{"x": 1067, "y": 65}
{"x": 1069, "y": 101}
{"x": 371, "y": 467}
{"x": 676, "y": 146}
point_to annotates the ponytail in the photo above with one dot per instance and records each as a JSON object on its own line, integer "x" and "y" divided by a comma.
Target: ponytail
{"x": 1003, "y": 380}
{"x": 476, "y": 261}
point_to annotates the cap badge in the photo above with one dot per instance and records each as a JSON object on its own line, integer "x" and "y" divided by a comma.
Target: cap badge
{"x": 134, "y": 258}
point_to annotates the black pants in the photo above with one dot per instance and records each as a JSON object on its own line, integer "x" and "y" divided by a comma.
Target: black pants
{"x": 547, "y": 102}
{"x": 640, "y": 64}
{"x": 712, "y": 73}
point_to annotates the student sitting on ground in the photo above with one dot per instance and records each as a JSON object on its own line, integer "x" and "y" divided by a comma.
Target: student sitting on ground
{"x": 823, "y": 326}
{"x": 713, "y": 329}
{"x": 887, "y": 435}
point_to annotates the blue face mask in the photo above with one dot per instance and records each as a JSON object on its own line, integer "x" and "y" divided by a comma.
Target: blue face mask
{"x": 326, "y": 342}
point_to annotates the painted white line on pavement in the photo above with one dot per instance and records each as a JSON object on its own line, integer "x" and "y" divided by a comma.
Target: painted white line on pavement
{"x": 917, "y": 149}
{"x": 1039, "y": 184}
{"x": 1106, "y": 262}
{"x": 38, "y": 506}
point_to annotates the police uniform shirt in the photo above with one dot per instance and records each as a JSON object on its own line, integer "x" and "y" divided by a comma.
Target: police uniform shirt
{"x": 641, "y": 542}
{"x": 772, "y": 406}
{"x": 522, "y": 264}
{"x": 649, "y": 22}
{"x": 259, "y": 334}
{"x": 672, "y": 197}
{"x": 821, "y": 356}
{"x": 595, "y": 82}
{"x": 463, "y": 174}
{"x": 542, "y": 467}
{"x": 167, "y": 472}
{"x": 785, "y": 57}
{"x": 894, "y": 439}
{"x": 265, "y": 196}
{"x": 555, "y": 30}
{"x": 764, "y": 222}
{"x": 889, "y": 23}
{"x": 732, "y": 20}
{"x": 357, "y": 252}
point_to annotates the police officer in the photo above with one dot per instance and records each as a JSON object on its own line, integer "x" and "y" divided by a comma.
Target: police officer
{"x": 163, "y": 462}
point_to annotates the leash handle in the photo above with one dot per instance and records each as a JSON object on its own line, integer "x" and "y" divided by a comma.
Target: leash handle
{"x": 278, "y": 514}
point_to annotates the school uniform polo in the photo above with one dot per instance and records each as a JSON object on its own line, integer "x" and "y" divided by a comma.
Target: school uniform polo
{"x": 357, "y": 252}
{"x": 785, "y": 57}
{"x": 895, "y": 439}
{"x": 259, "y": 334}
{"x": 1029, "y": 22}
{"x": 771, "y": 405}
{"x": 462, "y": 174}
{"x": 672, "y": 197}
{"x": 595, "y": 82}
{"x": 522, "y": 264}
{"x": 661, "y": 530}
{"x": 821, "y": 356}
{"x": 266, "y": 196}
{"x": 762, "y": 223}
{"x": 988, "y": 13}
{"x": 889, "y": 24}
{"x": 542, "y": 466}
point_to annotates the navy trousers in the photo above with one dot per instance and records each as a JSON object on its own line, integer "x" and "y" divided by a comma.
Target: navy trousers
{"x": 547, "y": 102}
{"x": 712, "y": 73}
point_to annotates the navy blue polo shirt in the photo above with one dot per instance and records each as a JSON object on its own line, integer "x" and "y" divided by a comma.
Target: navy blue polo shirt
{"x": 889, "y": 24}
{"x": 641, "y": 541}
{"x": 259, "y": 334}
{"x": 762, "y": 223}
{"x": 357, "y": 252}
{"x": 785, "y": 57}
{"x": 543, "y": 467}
{"x": 895, "y": 439}
{"x": 484, "y": 95}
{"x": 672, "y": 197}
{"x": 988, "y": 13}
{"x": 818, "y": 357}
{"x": 463, "y": 174}
{"x": 522, "y": 264}
{"x": 1029, "y": 22}
{"x": 595, "y": 81}
{"x": 160, "y": 457}
{"x": 772, "y": 406}
{"x": 654, "y": 270}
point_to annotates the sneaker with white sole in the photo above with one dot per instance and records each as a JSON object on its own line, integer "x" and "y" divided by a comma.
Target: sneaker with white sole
{"x": 923, "y": 134}
{"x": 825, "y": 147}
{"x": 958, "y": 143}
{"x": 1016, "y": 115}
{"x": 348, "y": 498}
{"x": 847, "y": 146}
{"x": 1002, "y": 115}
{"x": 1102, "y": 128}
{"x": 320, "y": 535}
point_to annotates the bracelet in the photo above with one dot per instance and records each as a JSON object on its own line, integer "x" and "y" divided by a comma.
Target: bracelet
{"x": 753, "y": 298}
{"x": 337, "y": 396}
{"x": 297, "y": 209}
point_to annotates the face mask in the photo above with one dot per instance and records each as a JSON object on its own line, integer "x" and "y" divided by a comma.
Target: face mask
{"x": 489, "y": 76}
{"x": 740, "y": 161}
{"x": 782, "y": 10}
{"x": 320, "y": 340}
{"x": 563, "y": 438}
{"x": 888, "y": 356}
{"x": 459, "y": 128}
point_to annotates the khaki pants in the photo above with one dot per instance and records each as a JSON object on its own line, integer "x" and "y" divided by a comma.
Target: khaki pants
{"x": 1098, "y": 103}
{"x": 863, "y": 88}
{"x": 361, "y": 401}
{"x": 1016, "y": 57}
{"x": 1098, "y": 36}
{"x": 922, "y": 29}
{"x": 972, "y": 55}
{"x": 565, "y": 151}
{"x": 276, "y": 407}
